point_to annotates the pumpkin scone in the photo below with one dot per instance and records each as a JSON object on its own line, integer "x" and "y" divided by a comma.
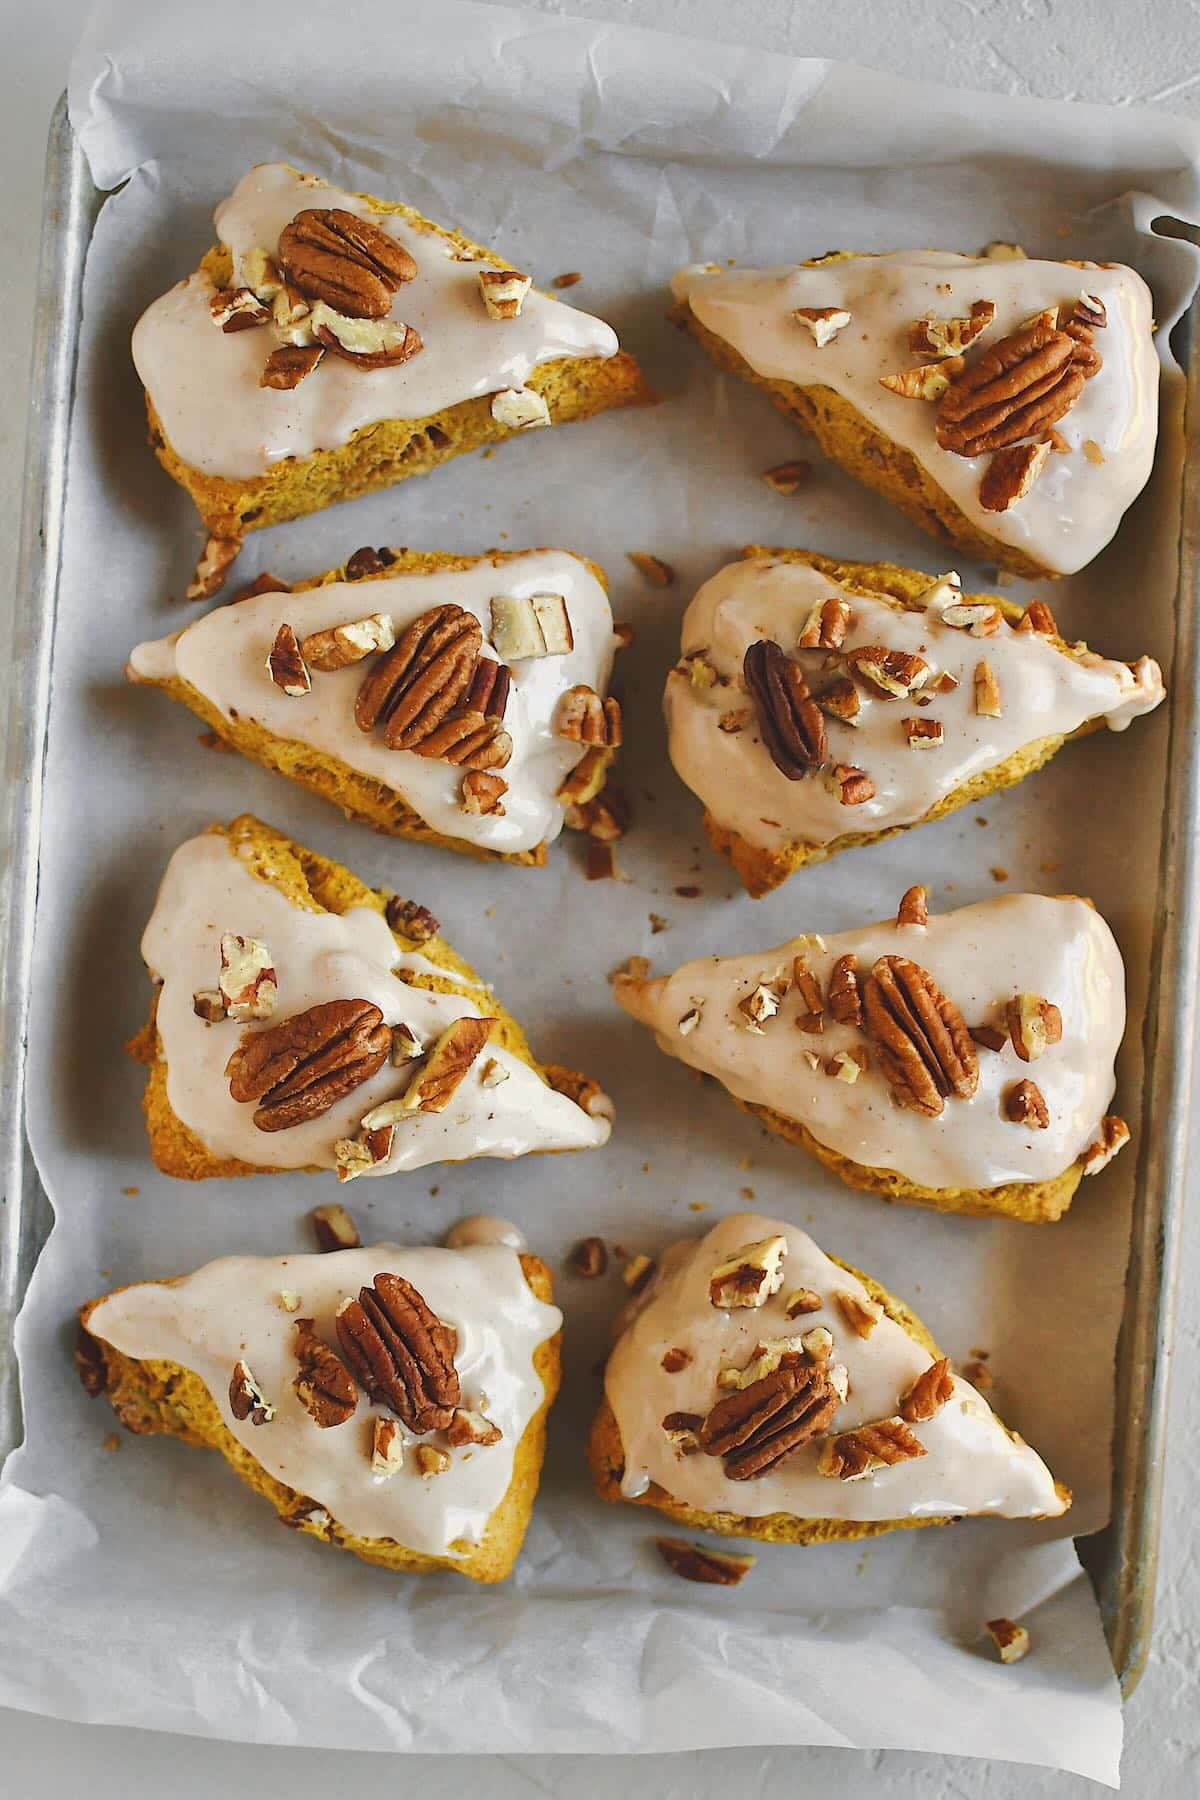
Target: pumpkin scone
{"x": 1008, "y": 406}
{"x": 333, "y": 343}
{"x": 389, "y": 1401}
{"x": 302, "y": 1020}
{"x": 455, "y": 700}
{"x": 763, "y": 1389}
{"x": 962, "y": 1061}
{"x": 821, "y": 704}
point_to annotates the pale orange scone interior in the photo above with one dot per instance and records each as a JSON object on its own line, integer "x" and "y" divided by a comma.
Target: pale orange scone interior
{"x": 352, "y": 791}
{"x": 390, "y": 450}
{"x": 316, "y": 883}
{"x": 155, "y": 1397}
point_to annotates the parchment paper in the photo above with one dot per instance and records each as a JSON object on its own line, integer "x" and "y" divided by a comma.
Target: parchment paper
{"x": 148, "y": 1586}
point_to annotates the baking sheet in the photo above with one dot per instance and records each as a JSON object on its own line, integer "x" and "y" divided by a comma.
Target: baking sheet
{"x": 572, "y": 146}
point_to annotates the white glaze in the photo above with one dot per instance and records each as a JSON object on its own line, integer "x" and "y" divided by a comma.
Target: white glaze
{"x": 970, "y": 1466}
{"x": 1075, "y": 505}
{"x": 1045, "y": 693}
{"x": 980, "y": 956}
{"x": 484, "y": 1228}
{"x": 207, "y": 889}
{"x": 205, "y": 383}
{"x": 230, "y": 1310}
{"x": 224, "y": 655}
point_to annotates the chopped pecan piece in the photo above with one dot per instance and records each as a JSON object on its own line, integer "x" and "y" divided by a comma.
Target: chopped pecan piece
{"x": 568, "y": 278}
{"x": 823, "y": 322}
{"x": 334, "y": 1229}
{"x": 1024, "y": 1104}
{"x": 637, "y": 1272}
{"x": 930, "y": 336}
{"x": 589, "y": 1258}
{"x": 238, "y": 309}
{"x": 531, "y": 626}
{"x": 483, "y": 792}
{"x": 1033, "y": 1024}
{"x": 676, "y": 1359}
{"x": 387, "y": 1449}
{"x": 286, "y": 666}
{"x": 216, "y": 559}
{"x": 289, "y": 365}
{"x": 341, "y": 646}
{"x": 333, "y": 255}
{"x": 801, "y": 1300}
{"x": 1024, "y": 384}
{"x": 364, "y": 343}
{"x": 923, "y": 734}
{"x": 657, "y": 572}
{"x": 978, "y": 617}
{"x": 246, "y": 1398}
{"x": 445, "y": 1068}
{"x": 761, "y": 1004}
{"x": 845, "y": 994}
{"x": 890, "y": 674}
{"x": 681, "y": 1428}
{"x": 988, "y": 703}
{"x": 854, "y": 786}
{"x": 758, "y": 1427}
{"x": 693, "y": 1562}
{"x": 467, "y": 1427}
{"x": 826, "y": 625}
{"x": 301, "y": 1067}
{"x": 401, "y": 1353}
{"x": 926, "y": 383}
{"x": 520, "y": 409}
{"x": 852, "y": 1454}
{"x": 861, "y": 1313}
{"x": 1010, "y": 475}
{"x": 209, "y": 1004}
{"x": 788, "y": 477}
{"x": 840, "y": 700}
{"x": 923, "y": 1045}
{"x": 585, "y": 718}
{"x": 247, "y": 980}
{"x": 1011, "y": 1640}
{"x": 750, "y": 1276}
{"x": 324, "y": 1385}
{"x": 367, "y": 561}
{"x": 928, "y": 1393}
{"x": 410, "y": 920}
{"x": 431, "y": 1461}
{"x": 1114, "y": 1135}
{"x": 266, "y": 583}
{"x": 790, "y": 720}
{"x": 503, "y": 292}
{"x": 847, "y": 1065}
{"x": 808, "y": 990}
{"x": 914, "y": 907}
{"x": 990, "y": 1036}
{"x": 718, "y": 1568}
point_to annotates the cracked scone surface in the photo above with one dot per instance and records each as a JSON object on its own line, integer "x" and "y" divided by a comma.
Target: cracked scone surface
{"x": 410, "y": 1518}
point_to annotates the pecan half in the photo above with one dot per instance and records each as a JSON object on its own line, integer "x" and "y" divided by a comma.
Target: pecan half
{"x": 333, "y": 255}
{"x": 852, "y": 1454}
{"x": 757, "y": 1427}
{"x": 401, "y": 1353}
{"x": 791, "y": 722}
{"x": 288, "y": 366}
{"x": 1023, "y": 385}
{"x": 304, "y": 1065}
{"x": 435, "y": 695}
{"x": 325, "y": 1386}
{"x": 923, "y": 1045}
{"x": 928, "y": 1393}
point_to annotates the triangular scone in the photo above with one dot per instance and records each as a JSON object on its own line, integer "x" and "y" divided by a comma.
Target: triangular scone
{"x": 302, "y": 1020}
{"x": 462, "y": 370}
{"x": 538, "y": 619}
{"x": 907, "y": 699}
{"x": 962, "y": 1061}
{"x": 1008, "y": 406}
{"x": 761, "y": 1388}
{"x": 264, "y": 1358}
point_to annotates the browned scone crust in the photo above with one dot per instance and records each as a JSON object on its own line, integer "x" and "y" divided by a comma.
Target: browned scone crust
{"x": 156, "y": 1397}
{"x": 851, "y": 441}
{"x": 606, "y": 1459}
{"x": 762, "y": 870}
{"x": 573, "y": 388}
{"x": 356, "y": 795}
{"x": 310, "y": 880}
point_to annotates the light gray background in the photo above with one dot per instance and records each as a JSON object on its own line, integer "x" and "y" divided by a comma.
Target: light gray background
{"x": 1104, "y": 50}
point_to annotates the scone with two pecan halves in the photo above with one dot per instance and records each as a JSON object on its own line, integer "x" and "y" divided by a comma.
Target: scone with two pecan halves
{"x": 961, "y": 1061}
{"x": 761, "y": 1388}
{"x": 1007, "y": 406}
{"x": 302, "y": 1020}
{"x": 819, "y": 705}
{"x": 333, "y": 343}
{"x": 455, "y": 700}
{"x": 389, "y": 1401}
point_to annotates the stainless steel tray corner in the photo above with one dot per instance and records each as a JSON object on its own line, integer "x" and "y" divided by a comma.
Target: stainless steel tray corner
{"x": 1122, "y": 1559}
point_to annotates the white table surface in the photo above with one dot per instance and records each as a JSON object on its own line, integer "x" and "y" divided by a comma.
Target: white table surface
{"x": 1109, "y": 50}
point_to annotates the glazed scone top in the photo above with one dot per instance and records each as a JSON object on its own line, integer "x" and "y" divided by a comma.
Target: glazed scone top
{"x": 1042, "y": 692}
{"x": 244, "y": 1309}
{"x": 224, "y": 657}
{"x": 971, "y": 1464}
{"x": 1076, "y": 503}
{"x": 208, "y": 890}
{"x": 980, "y": 957}
{"x": 205, "y": 383}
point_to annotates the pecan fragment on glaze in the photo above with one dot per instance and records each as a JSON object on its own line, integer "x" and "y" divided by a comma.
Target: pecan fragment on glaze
{"x": 845, "y": 992}
{"x": 757, "y": 1427}
{"x": 791, "y": 722}
{"x": 928, "y": 1394}
{"x": 324, "y": 1384}
{"x": 1023, "y": 385}
{"x": 333, "y": 255}
{"x": 401, "y": 1353}
{"x": 304, "y": 1065}
{"x": 923, "y": 1045}
{"x": 884, "y": 1442}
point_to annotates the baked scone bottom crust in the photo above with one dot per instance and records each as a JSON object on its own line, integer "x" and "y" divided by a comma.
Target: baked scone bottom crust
{"x": 753, "y": 813}
{"x": 155, "y": 1395}
{"x": 535, "y": 1107}
{"x": 974, "y": 1156}
{"x": 689, "y": 1486}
